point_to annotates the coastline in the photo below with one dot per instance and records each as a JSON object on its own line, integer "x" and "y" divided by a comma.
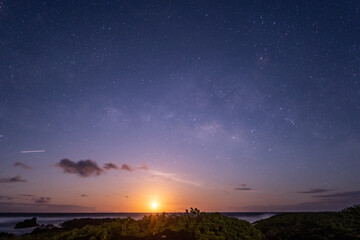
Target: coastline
{"x": 9, "y": 220}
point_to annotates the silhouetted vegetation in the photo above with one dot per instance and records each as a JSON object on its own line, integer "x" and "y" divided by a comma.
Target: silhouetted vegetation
{"x": 4, "y": 235}
{"x": 80, "y": 223}
{"x": 194, "y": 225}
{"x": 191, "y": 225}
{"x": 27, "y": 223}
{"x": 313, "y": 226}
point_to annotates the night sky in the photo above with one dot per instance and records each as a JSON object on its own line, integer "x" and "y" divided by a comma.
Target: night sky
{"x": 219, "y": 105}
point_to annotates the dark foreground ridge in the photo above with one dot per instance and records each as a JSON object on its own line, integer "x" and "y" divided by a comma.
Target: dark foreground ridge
{"x": 313, "y": 226}
{"x": 211, "y": 226}
{"x": 27, "y": 223}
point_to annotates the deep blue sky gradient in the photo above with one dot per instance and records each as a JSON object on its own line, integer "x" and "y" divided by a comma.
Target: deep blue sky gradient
{"x": 249, "y": 104}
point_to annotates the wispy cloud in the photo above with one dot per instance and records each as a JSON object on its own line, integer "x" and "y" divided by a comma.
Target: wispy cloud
{"x": 22, "y": 165}
{"x": 172, "y": 177}
{"x": 159, "y": 174}
{"x": 26, "y": 195}
{"x": 35, "y": 207}
{"x": 243, "y": 187}
{"x": 315, "y": 190}
{"x": 143, "y": 167}
{"x": 32, "y": 151}
{"x": 30, "y": 197}
{"x": 325, "y": 202}
{"x": 42, "y": 200}
{"x": 86, "y": 168}
{"x": 109, "y": 166}
{"x": 12, "y": 179}
{"x": 82, "y": 168}
{"x": 8, "y": 198}
{"x": 126, "y": 167}
{"x": 349, "y": 194}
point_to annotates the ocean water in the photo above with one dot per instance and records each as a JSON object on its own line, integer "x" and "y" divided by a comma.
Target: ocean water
{"x": 9, "y": 220}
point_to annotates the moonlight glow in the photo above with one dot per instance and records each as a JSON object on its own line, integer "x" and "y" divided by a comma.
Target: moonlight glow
{"x": 154, "y": 205}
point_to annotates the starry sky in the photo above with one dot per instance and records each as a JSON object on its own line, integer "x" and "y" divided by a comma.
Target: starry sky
{"x": 222, "y": 105}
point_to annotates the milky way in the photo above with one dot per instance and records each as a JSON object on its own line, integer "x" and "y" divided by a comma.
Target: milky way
{"x": 233, "y": 106}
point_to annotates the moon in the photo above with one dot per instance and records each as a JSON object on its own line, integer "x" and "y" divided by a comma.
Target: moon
{"x": 154, "y": 205}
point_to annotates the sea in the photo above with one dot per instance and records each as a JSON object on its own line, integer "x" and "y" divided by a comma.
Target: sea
{"x": 9, "y": 220}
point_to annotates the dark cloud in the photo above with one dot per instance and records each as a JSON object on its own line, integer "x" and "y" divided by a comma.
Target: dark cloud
{"x": 86, "y": 168}
{"x": 35, "y": 207}
{"x": 348, "y": 195}
{"x": 126, "y": 167}
{"x": 302, "y": 207}
{"x": 84, "y": 195}
{"x": 26, "y": 195}
{"x": 109, "y": 166}
{"x": 12, "y": 179}
{"x": 22, "y": 165}
{"x": 83, "y": 168}
{"x": 42, "y": 200}
{"x": 326, "y": 202}
{"x": 8, "y": 198}
{"x": 315, "y": 190}
{"x": 129, "y": 168}
{"x": 243, "y": 187}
